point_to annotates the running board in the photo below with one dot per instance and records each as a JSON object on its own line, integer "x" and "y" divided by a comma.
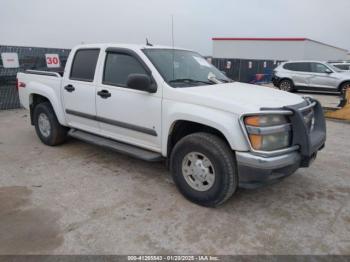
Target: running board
{"x": 116, "y": 146}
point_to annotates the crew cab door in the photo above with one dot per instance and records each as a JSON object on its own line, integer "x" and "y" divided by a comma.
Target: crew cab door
{"x": 79, "y": 90}
{"x": 321, "y": 79}
{"x": 125, "y": 114}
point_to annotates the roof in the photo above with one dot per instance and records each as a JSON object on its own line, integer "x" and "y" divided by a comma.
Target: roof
{"x": 291, "y": 39}
{"x": 130, "y": 46}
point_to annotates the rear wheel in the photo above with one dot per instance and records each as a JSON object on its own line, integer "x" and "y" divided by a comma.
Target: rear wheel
{"x": 204, "y": 169}
{"x": 286, "y": 85}
{"x": 47, "y": 126}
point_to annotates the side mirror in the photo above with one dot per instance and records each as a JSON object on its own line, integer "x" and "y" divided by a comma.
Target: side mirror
{"x": 328, "y": 71}
{"x": 141, "y": 82}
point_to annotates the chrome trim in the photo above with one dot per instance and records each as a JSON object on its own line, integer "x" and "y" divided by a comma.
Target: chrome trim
{"x": 270, "y": 163}
{"x": 132, "y": 127}
{"x": 261, "y": 152}
{"x": 307, "y": 107}
{"x": 267, "y": 130}
{"x": 44, "y": 73}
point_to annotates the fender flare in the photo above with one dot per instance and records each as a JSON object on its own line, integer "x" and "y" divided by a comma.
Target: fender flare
{"x": 50, "y": 95}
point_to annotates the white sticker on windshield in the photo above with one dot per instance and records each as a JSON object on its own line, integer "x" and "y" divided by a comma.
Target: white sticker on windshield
{"x": 201, "y": 61}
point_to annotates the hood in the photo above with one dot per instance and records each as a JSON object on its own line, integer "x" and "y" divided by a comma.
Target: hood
{"x": 238, "y": 97}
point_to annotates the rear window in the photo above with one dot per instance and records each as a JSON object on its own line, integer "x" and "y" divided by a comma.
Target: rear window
{"x": 300, "y": 67}
{"x": 84, "y": 65}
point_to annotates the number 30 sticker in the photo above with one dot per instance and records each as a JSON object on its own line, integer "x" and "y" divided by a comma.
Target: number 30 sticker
{"x": 52, "y": 60}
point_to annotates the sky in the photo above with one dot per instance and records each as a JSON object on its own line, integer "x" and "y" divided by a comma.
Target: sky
{"x": 66, "y": 23}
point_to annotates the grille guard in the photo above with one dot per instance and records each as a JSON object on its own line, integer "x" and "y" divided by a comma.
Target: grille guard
{"x": 309, "y": 142}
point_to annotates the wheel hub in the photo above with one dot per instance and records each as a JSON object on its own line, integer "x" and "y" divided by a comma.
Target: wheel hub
{"x": 285, "y": 86}
{"x": 198, "y": 171}
{"x": 44, "y": 125}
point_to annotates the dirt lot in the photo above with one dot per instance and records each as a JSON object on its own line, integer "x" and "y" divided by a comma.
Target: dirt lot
{"x": 82, "y": 199}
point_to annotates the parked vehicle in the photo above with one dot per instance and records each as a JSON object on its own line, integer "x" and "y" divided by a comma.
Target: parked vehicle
{"x": 310, "y": 75}
{"x": 342, "y": 66}
{"x": 158, "y": 103}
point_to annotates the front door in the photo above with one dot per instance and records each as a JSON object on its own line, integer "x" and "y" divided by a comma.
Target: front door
{"x": 79, "y": 91}
{"x": 125, "y": 114}
{"x": 321, "y": 78}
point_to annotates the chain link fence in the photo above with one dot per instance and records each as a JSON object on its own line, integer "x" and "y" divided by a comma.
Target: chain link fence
{"x": 28, "y": 58}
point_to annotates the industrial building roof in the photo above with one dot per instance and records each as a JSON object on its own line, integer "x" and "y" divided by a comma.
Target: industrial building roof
{"x": 272, "y": 39}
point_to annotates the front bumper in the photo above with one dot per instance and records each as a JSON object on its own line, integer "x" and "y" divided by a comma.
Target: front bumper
{"x": 255, "y": 170}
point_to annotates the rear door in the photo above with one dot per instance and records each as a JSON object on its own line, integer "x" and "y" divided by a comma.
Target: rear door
{"x": 321, "y": 79}
{"x": 79, "y": 90}
{"x": 300, "y": 73}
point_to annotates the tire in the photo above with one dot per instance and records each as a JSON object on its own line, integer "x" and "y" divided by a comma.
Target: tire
{"x": 223, "y": 168}
{"x": 49, "y": 130}
{"x": 286, "y": 85}
{"x": 343, "y": 88}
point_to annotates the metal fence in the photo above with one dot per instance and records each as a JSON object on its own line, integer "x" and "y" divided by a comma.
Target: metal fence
{"x": 28, "y": 58}
{"x": 247, "y": 71}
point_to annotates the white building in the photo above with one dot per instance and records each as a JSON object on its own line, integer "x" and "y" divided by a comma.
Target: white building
{"x": 276, "y": 49}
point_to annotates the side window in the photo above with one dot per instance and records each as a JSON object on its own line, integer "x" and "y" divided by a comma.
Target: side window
{"x": 289, "y": 66}
{"x": 343, "y": 67}
{"x": 299, "y": 67}
{"x": 119, "y": 66}
{"x": 84, "y": 65}
{"x": 318, "y": 68}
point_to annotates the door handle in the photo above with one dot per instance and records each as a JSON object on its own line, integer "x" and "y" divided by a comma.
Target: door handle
{"x": 69, "y": 88}
{"x": 104, "y": 93}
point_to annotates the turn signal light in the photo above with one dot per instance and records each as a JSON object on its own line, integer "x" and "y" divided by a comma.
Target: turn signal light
{"x": 256, "y": 141}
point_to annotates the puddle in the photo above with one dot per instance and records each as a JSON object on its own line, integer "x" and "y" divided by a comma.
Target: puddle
{"x": 26, "y": 230}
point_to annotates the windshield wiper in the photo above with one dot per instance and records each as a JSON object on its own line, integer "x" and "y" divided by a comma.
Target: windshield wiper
{"x": 189, "y": 80}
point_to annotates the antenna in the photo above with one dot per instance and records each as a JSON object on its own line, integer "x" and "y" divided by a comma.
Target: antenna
{"x": 172, "y": 31}
{"x": 148, "y": 43}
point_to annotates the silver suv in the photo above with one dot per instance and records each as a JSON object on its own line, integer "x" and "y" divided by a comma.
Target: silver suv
{"x": 310, "y": 75}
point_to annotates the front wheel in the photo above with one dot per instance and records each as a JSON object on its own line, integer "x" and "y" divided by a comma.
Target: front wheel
{"x": 204, "y": 169}
{"x": 286, "y": 85}
{"x": 47, "y": 126}
{"x": 343, "y": 88}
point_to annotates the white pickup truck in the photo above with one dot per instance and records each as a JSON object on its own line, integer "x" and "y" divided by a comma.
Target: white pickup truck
{"x": 158, "y": 103}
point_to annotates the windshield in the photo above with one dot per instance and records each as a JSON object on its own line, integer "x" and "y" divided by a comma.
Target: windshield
{"x": 181, "y": 68}
{"x": 334, "y": 68}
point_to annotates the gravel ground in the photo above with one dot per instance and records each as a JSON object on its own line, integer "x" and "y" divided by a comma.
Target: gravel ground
{"x": 81, "y": 199}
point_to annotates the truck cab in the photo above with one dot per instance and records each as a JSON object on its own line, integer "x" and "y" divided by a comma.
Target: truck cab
{"x": 162, "y": 103}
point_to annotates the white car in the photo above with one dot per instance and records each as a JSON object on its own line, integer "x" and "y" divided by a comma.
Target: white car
{"x": 345, "y": 66}
{"x": 158, "y": 103}
{"x": 310, "y": 76}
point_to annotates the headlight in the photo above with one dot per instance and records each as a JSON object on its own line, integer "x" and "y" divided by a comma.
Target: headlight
{"x": 268, "y": 132}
